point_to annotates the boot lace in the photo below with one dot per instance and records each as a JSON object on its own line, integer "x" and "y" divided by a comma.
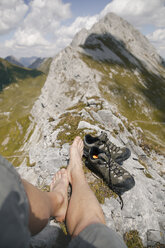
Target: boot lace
{"x": 112, "y": 166}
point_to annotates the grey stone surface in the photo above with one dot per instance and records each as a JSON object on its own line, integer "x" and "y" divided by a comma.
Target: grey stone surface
{"x": 154, "y": 236}
{"x": 86, "y": 125}
{"x": 133, "y": 40}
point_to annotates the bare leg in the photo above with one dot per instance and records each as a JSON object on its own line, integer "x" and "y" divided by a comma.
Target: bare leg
{"x": 84, "y": 209}
{"x": 43, "y": 205}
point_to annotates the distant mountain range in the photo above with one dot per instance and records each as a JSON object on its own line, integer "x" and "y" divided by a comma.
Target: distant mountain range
{"x": 41, "y": 64}
{"x": 13, "y": 60}
{"x": 11, "y": 73}
{"x": 19, "y": 89}
{"x": 27, "y": 61}
{"x": 31, "y": 62}
{"x": 37, "y": 62}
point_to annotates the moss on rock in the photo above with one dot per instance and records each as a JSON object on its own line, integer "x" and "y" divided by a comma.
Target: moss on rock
{"x": 133, "y": 240}
{"x": 78, "y": 107}
{"x": 146, "y": 172}
{"x": 63, "y": 227}
{"x": 68, "y": 124}
{"x": 101, "y": 190}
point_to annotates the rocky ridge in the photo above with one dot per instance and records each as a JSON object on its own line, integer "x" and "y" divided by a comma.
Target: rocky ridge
{"x": 137, "y": 44}
{"x": 74, "y": 102}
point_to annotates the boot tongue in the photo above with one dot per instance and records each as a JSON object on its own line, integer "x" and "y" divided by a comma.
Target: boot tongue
{"x": 103, "y": 156}
{"x": 103, "y": 136}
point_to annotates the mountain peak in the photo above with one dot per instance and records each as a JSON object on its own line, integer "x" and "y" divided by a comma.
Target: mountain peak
{"x": 120, "y": 31}
{"x": 13, "y": 60}
{"x": 36, "y": 63}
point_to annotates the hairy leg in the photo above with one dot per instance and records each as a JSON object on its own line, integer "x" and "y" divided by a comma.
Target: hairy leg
{"x": 84, "y": 209}
{"x": 43, "y": 205}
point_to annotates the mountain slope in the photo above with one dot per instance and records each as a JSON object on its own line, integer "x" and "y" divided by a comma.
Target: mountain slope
{"x": 36, "y": 63}
{"x": 19, "y": 89}
{"x": 133, "y": 41}
{"x": 10, "y": 73}
{"x": 42, "y": 64}
{"x": 26, "y": 61}
{"x": 13, "y": 60}
{"x": 102, "y": 83}
{"x": 45, "y": 65}
{"x": 128, "y": 61}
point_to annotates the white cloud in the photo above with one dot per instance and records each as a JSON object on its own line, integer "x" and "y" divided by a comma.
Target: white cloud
{"x": 43, "y": 18}
{"x": 129, "y": 7}
{"x": 157, "y": 35}
{"x": 46, "y": 15}
{"x": 157, "y": 38}
{"x": 139, "y": 12}
{"x": 27, "y": 38}
{"x": 66, "y": 33}
{"x": 11, "y": 13}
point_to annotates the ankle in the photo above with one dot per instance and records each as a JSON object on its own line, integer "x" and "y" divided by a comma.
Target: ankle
{"x": 56, "y": 201}
{"x": 77, "y": 176}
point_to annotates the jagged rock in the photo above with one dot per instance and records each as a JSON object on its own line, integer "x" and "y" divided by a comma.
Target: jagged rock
{"x": 108, "y": 118}
{"x": 96, "y": 116}
{"x": 86, "y": 125}
{"x": 121, "y": 30}
{"x": 85, "y": 114}
{"x": 155, "y": 236}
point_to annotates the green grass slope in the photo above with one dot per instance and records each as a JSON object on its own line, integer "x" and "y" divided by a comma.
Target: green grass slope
{"x": 138, "y": 93}
{"x": 19, "y": 90}
{"x": 10, "y": 73}
{"x": 44, "y": 67}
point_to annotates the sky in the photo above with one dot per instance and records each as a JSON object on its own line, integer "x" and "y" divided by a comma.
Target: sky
{"x": 43, "y": 27}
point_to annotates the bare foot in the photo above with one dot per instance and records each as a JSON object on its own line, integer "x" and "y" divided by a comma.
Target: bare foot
{"x": 58, "y": 191}
{"x": 75, "y": 163}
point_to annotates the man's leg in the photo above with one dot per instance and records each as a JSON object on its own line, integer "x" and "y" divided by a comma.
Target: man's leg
{"x": 46, "y": 204}
{"x": 85, "y": 218}
{"x": 84, "y": 209}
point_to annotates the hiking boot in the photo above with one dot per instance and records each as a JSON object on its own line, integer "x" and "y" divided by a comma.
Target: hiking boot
{"x": 117, "y": 178}
{"x": 118, "y": 154}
